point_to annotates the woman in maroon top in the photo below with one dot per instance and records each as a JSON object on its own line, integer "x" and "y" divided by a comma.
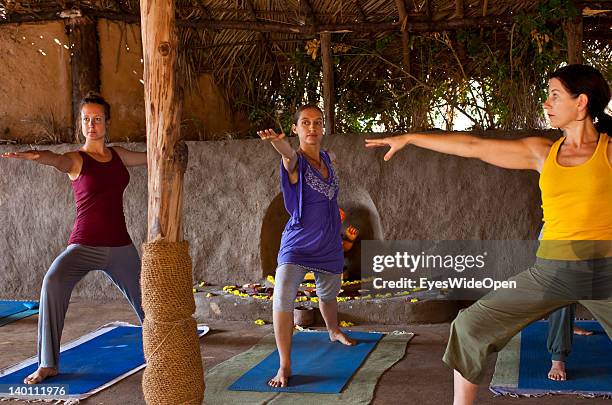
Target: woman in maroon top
{"x": 99, "y": 238}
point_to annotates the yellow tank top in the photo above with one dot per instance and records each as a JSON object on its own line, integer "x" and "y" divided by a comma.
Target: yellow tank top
{"x": 577, "y": 206}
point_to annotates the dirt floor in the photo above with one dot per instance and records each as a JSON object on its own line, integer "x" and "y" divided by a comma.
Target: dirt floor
{"x": 419, "y": 378}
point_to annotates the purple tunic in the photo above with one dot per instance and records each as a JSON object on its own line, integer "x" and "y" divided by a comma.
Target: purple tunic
{"x": 312, "y": 236}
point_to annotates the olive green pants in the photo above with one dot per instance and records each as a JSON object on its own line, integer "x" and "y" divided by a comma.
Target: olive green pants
{"x": 489, "y": 324}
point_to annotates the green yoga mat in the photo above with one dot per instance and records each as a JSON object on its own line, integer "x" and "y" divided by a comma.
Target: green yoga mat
{"x": 360, "y": 389}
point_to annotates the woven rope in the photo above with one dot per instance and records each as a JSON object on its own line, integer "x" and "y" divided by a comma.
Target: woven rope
{"x": 174, "y": 373}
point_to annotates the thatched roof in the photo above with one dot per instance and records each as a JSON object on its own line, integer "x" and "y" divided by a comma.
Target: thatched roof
{"x": 392, "y": 57}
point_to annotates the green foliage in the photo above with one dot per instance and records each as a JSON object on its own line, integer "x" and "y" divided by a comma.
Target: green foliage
{"x": 497, "y": 77}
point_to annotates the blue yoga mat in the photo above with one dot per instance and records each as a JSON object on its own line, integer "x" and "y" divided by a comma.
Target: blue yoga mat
{"x": 589, "y": 367}
{"x": 13, "y": 310}
{"x": 317, "y": 365}
{"x": 88, "y": 364}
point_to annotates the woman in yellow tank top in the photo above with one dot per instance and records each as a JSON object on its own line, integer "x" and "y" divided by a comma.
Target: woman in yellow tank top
{"x": 576, "y": 184}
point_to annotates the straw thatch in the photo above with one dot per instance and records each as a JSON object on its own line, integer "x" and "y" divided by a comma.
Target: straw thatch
{"x": 397, "y": 63}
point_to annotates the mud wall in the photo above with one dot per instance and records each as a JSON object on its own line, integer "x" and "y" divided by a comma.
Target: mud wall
{"x": 35, "y": 87}
{"x": 230, "y": 187}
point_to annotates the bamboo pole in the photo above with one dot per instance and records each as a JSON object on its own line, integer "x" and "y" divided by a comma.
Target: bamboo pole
{"x": 328, "y": 83}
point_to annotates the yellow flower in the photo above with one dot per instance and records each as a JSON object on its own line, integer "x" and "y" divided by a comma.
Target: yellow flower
{"x": 270, "y": 278}
{"x": 260, "y": 322}
{"x": 345, "y": 324}
{"x": 194, "y": 290}
{"x": 414, "y": 300}
{"x": 314, "y": 299}
{"x": 208, "y": 295}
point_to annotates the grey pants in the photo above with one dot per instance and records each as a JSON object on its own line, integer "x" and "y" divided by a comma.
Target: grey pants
{"x": 288, "y": 280}
{"x": 122, "y": 267}
{"x": 561, "y": 332}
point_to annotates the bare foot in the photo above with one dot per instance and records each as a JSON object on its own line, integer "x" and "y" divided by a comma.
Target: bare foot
{"x": 339, "y": 336}
{"x": 582, "y": 332}
{"x": 281, "y": 379}
{"x": 40, "y": 375}
{"x": 557, "y": 371}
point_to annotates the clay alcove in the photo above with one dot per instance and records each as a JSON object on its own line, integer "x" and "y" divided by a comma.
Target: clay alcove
{"x": 360, "y": 213}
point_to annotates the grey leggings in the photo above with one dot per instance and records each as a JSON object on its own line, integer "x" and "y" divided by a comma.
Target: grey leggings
{"x": 122, "y": 267}
{"x": 287, "y": 282}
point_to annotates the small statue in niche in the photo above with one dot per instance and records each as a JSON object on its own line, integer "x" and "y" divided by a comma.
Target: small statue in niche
{"x": 349, "y": 235}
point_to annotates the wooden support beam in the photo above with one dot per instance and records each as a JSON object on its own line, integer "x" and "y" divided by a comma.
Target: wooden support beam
{"x": 401, "y": 9}
{"x": 167, "y": 154}
{"x": 328, "y": 83}
{"x": 459, "y": 13}
{"x": 574, "y": 32}
{"x": 84, "y": 60}
{"x": 309, "y": 30}
{"x": 428, "y": 9}
{"x": 170, "y": 341}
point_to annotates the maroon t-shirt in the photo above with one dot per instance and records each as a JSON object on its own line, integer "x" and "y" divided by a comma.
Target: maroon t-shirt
{"x": 98, "y": 192}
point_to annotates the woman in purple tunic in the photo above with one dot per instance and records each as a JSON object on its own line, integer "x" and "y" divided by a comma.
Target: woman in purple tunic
{"x": 312, "y": 239}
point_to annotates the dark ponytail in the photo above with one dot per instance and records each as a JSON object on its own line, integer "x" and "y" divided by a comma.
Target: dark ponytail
{"x": 583, "y": 79}
{"x": 604, "y": 123}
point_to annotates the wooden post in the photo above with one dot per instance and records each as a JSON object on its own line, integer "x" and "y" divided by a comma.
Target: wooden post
{"x": 167, "y": 155}
{"x": 574, "y": 32}
{"x": 328, "y": 83}
{"x": 84, "y": 60}
{"x": 403, "y": 14}
{"x": 174, "y": 372}
{"x": 459, "y": 9}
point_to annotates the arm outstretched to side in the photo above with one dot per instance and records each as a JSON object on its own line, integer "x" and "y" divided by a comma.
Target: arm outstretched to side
{"x": 525, "y": 153}
{"x": 65, "y": 163}
{"x": 282, "y": 146}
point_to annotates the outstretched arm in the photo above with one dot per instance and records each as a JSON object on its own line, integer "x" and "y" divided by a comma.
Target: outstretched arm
{"x": 282, "y": 146}
{"x": 131, "y": 158}
{"x": 526, "y": 153}
{"x": 62, "y": 162}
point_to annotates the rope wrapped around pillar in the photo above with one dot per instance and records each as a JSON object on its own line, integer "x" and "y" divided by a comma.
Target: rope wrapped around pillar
{"x": 169, "y": 330}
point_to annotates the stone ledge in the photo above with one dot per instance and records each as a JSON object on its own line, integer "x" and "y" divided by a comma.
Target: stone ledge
{"x": 392, "y": 310}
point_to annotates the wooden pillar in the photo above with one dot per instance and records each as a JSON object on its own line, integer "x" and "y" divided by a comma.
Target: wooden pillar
{"x": 84, "y": 60}
{"x": 167, "y": 155}
{"x": 574, "y": 32}
{"x": 174, "y": 372}
{"x": 459, "y": 13}
{"x": 403, "y": 14}
{"x": 328, "y": 83}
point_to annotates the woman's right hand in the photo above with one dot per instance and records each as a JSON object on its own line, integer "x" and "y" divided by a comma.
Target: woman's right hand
{"x": 27, "y": 155}
{"x": 270, "y": 135}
